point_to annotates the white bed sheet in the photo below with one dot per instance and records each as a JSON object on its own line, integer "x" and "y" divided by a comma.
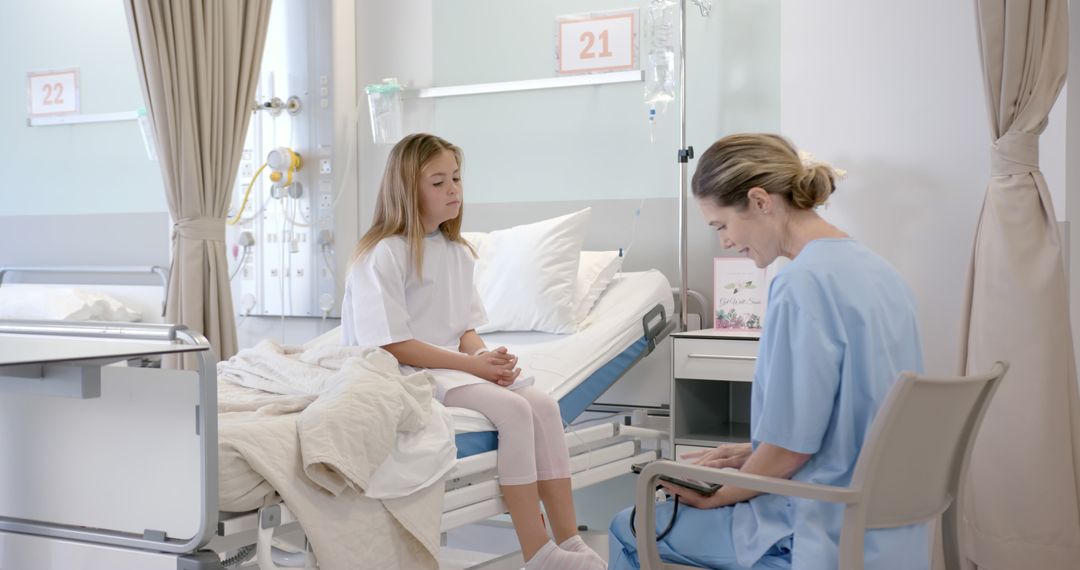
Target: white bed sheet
{"x": 146, "y": 300}
{"x": 560, "y": 362}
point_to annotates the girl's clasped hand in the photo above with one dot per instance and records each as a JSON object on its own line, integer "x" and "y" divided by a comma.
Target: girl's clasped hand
{"x": 497, "y": 366}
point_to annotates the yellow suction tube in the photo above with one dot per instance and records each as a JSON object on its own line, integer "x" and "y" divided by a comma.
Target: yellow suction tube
{"x": 247, "y": 194}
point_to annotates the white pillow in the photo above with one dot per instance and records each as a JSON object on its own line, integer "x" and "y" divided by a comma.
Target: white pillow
{"x": 61, "y": 303}
{"x": 595, "y": 272}
{"x": 477, "y": 239}
{"x": 526, "y": 274}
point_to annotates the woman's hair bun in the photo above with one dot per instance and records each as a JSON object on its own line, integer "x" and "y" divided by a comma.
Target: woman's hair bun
{"x": 813, "y": 187}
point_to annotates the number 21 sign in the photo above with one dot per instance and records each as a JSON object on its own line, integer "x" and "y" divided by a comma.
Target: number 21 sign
{"x": 53, "y": 92}
{"x": 605, "y": 41}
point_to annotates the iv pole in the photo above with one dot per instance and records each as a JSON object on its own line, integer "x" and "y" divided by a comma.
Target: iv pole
{"x": 684, "y": 156}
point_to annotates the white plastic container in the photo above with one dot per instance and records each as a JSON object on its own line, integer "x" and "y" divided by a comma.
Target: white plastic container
{"x": 384, "y": 103}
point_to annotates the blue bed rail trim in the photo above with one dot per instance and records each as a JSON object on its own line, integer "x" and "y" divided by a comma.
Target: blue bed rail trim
{"x": 654, "y": 325}
{"x": 580, "y": 398}
{"x": 475, "y": 443}
{"x": 572, "y": 404}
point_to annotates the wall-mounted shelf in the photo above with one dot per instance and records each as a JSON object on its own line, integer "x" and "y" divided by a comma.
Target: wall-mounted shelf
{"x": 529, "y": 84}
{"x": 82, "y": 118}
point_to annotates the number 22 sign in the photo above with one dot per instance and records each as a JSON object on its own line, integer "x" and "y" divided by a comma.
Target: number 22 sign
{"x": 596, "y": 42}
{"x": 53, "y": 92}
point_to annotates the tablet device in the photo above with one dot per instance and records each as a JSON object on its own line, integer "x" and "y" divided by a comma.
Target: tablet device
{"x": 706, "y": 489}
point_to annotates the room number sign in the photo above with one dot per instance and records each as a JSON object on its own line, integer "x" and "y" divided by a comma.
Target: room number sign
{"x": 596, "y": 42}
{"x": 53, "y": 92}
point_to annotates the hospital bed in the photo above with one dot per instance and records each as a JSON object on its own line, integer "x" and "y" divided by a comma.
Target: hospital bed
{"x": 629, "y": 320}
{"x": 125, "y": 293}
{"x": 626, "y": 325}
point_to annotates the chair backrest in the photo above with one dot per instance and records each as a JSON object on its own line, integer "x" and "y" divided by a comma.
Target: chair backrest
{"x": 918, "y": 447}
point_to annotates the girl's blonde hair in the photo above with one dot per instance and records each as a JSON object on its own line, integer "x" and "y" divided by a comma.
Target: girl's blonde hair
{"x": 737, "y": 163}
{"x": 397, "y": 209}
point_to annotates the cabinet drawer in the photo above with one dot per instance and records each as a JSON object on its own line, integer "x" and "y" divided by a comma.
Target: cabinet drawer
{"x": 715, "y": 359}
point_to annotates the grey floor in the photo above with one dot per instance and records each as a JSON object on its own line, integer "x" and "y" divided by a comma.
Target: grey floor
{"x": 491, "y": 545}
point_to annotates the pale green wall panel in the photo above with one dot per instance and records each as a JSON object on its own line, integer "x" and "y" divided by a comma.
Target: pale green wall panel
{"x": 589, "y": 143}
{"x": 73, "y": 169}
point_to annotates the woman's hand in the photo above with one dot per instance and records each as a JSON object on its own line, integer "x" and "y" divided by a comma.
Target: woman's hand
{"x": 723, "y": 455}
{"x": 497, "y": 366}
{"x": 768, "y": 460}
{"x": 693, "y": 498}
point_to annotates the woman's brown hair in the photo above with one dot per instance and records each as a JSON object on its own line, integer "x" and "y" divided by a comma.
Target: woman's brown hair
{"x": 737, "y": 163}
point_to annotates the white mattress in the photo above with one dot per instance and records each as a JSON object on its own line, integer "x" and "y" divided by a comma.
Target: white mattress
{"x": 560, "y": 362}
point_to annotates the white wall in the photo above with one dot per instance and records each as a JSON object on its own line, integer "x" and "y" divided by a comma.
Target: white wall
{"x": 892, "y": 92}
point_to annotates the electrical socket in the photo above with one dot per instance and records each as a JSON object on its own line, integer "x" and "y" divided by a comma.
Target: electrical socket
{"x": 325, "y": 201}
{"x": 324, "y": 166}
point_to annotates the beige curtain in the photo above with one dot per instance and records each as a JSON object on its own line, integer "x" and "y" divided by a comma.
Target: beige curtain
{"x": 1020, "y": 507}
{"x": 198, "y": 63}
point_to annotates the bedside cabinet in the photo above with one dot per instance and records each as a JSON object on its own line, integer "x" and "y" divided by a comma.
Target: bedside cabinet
{"x": 711, "y": 372}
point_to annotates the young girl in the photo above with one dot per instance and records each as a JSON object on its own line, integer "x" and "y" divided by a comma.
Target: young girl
{"x": 410, "y": 291}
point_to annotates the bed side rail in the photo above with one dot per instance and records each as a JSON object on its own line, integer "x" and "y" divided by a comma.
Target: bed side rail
{"x": 161, "y": 272}
{"x": 656, "y": 326}
{"x": 98, "y": 329}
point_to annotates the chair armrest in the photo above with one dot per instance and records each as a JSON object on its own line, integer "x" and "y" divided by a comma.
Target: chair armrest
{"x": 646, "y": 495}
{"x": 736, "y": 478}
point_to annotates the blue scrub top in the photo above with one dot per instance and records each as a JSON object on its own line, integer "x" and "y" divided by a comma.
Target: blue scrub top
{"x": 839, "y": 327}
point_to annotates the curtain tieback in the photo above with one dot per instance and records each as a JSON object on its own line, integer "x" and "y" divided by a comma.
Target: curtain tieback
{"x": 200, "y": 228}
{"x": 1014, "y": 153}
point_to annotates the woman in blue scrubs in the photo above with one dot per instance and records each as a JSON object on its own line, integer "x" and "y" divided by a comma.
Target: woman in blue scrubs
{"x": 839, "y": 327}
